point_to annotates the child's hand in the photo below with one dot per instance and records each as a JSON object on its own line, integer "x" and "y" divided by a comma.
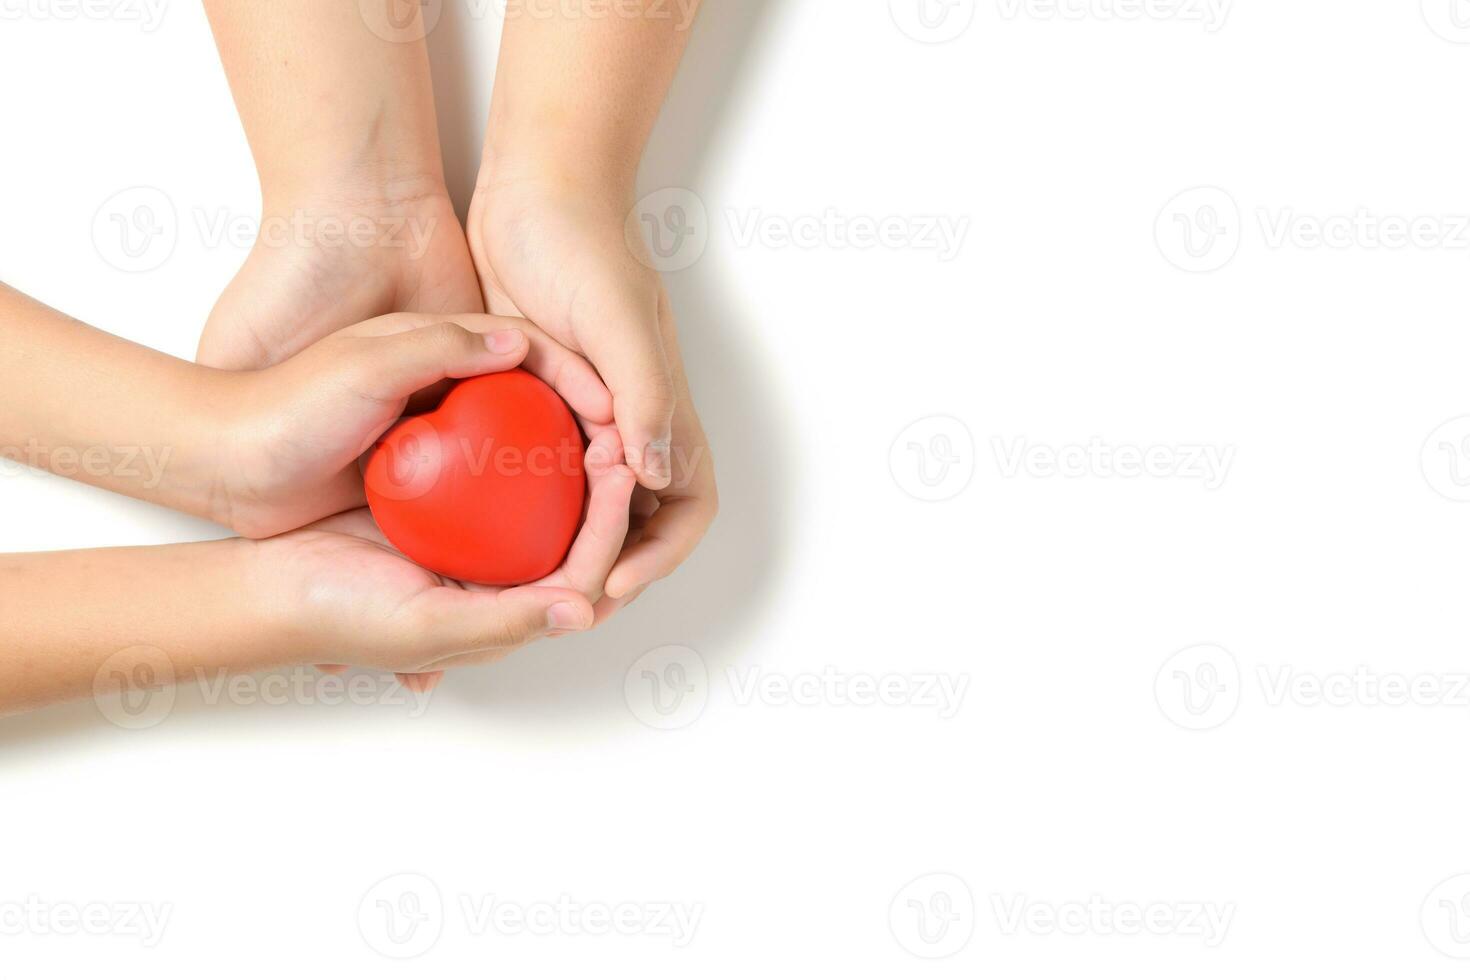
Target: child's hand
{"x": 292, "y": 435}
{"x": 294, "y": 289}
{"x": 352, "y": 598}
{"x": 555, "y": 250}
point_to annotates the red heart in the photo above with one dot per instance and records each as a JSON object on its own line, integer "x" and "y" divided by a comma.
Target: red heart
{"x": 486, "y": 488}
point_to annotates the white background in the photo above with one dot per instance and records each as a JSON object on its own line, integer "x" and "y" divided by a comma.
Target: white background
{"x": 1319, "y": 827}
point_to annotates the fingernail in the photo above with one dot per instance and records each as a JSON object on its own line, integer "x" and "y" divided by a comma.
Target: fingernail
{"x": 564, "y": 616}
{"x": 656, "y": 458}
{"x": 503, "y": 341}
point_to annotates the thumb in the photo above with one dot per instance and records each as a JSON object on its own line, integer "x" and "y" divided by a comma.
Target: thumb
{"x": 468, "y": 622}
{"x": 630, "y": 356}
{"x": 402, "y": 363}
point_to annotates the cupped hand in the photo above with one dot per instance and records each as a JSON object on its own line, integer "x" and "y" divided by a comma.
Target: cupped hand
{"x": 361, "y": 603}
{"x": 294, "y": 433}
{"x": 554, "y": 250}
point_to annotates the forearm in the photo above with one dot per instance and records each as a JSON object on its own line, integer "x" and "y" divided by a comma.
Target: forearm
{"x": 331, "y": 108}
{"x": 576, "y": 92}
{"x": 96, "y": 408}
{"x": 72, "y": 620}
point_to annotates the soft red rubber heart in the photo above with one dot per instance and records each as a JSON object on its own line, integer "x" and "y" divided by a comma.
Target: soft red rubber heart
{"x": 486, "y": 488}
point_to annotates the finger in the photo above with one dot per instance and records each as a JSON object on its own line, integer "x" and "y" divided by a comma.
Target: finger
{"x": 604, "y": 448}
{"x": 402, "y": 363}
{"x": 668, "y": 539}
{"x": 331, "y": 668}
{"x": 421, "y": 683}
{"x": 607, "y": 606}
{"x": 629, "y": 354}
{"x": 569, "y": 373}
{"x": 598, "y": 544}
{"x": 457, "y": 621}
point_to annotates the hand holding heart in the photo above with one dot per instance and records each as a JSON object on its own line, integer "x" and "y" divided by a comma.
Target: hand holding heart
{"x": 296, "y": 431}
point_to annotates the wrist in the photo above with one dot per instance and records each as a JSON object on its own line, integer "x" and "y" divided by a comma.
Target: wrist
{"x": 588, "y": 165}
{"x": 312, "y": 190}
{"x": 278, "y": 599}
